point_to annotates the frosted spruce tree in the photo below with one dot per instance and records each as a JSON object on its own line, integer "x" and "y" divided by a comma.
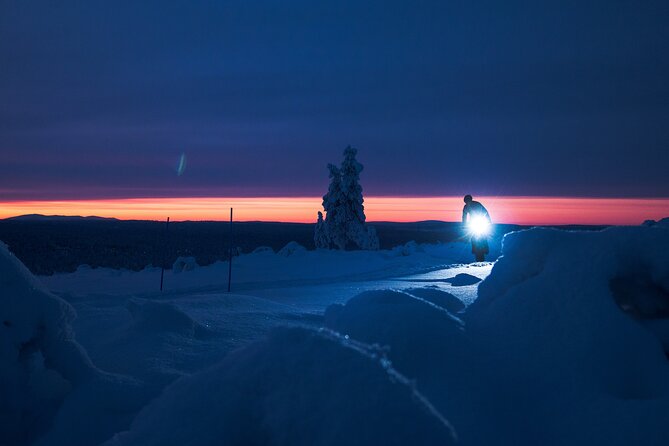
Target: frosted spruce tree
{"x": 321, "y": 239}
{"x": 344, "y": 224}
{"x": 335, "y": 231}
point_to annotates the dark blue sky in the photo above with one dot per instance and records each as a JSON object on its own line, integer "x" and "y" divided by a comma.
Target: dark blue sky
{"x": 99, "y": 99}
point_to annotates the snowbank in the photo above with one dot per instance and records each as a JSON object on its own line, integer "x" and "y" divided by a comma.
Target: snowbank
{"x": 419, "y": 333}
{"x": 297, "y": 387}
{"x": 291, "y": 249}
{"x": 571, "y": 316}
{"x": 40, "y": 362}
{"x": 566, "y": 344}
{"x": 431, "y": 347}
{"x": 46, "y": 378}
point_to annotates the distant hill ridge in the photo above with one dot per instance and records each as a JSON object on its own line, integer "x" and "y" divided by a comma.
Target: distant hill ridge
{"x": 41, "y": 217}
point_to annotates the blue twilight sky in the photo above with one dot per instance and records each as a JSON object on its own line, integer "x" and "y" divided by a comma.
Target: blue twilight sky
{"x": 100, "y": 98}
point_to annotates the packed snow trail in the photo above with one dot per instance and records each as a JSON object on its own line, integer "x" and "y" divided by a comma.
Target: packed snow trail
{"x": 315, "y": 298}
{"x": 152, "y": 337}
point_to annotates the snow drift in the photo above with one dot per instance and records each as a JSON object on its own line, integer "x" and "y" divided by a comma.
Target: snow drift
{"x": 291, "y": 249}
{"x": 431, "y": 347}
{"x": 577, "y": 318}
{"x": 46, "y": 378}
{"x": 420, "y": 334}
{"x": 40, "y": 360}
{"x": 566, "y": 344}
{"x": 296, "y": 387}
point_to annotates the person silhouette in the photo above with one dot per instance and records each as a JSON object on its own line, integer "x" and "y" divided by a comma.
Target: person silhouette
{"x": 475, "y": 214}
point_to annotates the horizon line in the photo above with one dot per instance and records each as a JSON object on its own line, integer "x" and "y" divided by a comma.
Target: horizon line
{"x": 521, "y": 210}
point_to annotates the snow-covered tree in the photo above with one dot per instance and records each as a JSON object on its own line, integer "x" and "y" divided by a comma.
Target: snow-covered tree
{"x": 351, "y": 189}
{"x": 365, "y": 237}
{"x": 321, "y": 239}
{"x": 335, "y": 212}
{"x": 344, "y": 224}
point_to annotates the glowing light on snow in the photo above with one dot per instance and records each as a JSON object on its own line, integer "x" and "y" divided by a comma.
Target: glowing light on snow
{"x": 479, "y": 226}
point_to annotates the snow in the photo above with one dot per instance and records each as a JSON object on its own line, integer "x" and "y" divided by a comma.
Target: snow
{"x": 291, "y": 266}
{"x": 184, "y": 264}
{"x": 292, "y": 249}
{"x": 564, "y": 341}
{"x": 296, "y": 387}
{"x": 548, "y": 311}
{"x": 438, "y": 297}
{"x": 263, "y": 250}
{"x": 163, "y": 317}
{"x": 464, "y": 279}
{"x": 40, "y": 360}
{"x": 46, "y": 378}
{"x": 418, "y": 333}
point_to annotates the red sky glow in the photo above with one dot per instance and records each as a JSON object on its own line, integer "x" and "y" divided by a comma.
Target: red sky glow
{"x": 518, "y": 210}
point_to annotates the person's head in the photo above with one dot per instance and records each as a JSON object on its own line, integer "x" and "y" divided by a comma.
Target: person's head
{"x": 468, "y": 199}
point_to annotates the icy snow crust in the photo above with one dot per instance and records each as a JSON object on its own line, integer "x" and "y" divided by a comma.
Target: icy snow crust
{"x": 565, "y": 345}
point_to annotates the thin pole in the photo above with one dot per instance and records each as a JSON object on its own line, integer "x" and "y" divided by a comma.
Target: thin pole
{"x": 230, "y": 254}
{"x": 162, "y": 269}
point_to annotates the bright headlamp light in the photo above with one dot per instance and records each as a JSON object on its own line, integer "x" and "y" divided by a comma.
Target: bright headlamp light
{"x": 478, "y": 226}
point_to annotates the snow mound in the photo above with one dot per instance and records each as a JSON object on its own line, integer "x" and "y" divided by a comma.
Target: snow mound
{"x": 182, "y": 264}
{"x": 410, "y": 247}
{"x": 429, "y": 346}
{"x": 163, "y": 317}
{"x": 579, "y": 317}
{"x": 420, "y": 335}
{"x": 438, "y": 297}
{"x": 296, "y": 387}
{"x": 291, "y": 249}
{"x": 50, "y": 392}
{"x": 40, "y": 362}
{"x": 263, "y": 250}
{"x": 463, "y": 279}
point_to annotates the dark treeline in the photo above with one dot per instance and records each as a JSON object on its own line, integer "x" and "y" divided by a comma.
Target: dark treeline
{"x": 48, "y": 245}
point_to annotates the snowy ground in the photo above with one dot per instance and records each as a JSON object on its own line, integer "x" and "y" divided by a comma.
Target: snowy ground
{"x": 562, "y": 341}
{"x": 269, "y": 291}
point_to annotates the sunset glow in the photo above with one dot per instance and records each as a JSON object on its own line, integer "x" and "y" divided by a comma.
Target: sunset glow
{"x": 518, "y": 210}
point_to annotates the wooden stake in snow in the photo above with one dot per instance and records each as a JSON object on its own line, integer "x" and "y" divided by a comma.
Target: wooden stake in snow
{"x": 162, "y": 269}
{"x": 230, "y": 254}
